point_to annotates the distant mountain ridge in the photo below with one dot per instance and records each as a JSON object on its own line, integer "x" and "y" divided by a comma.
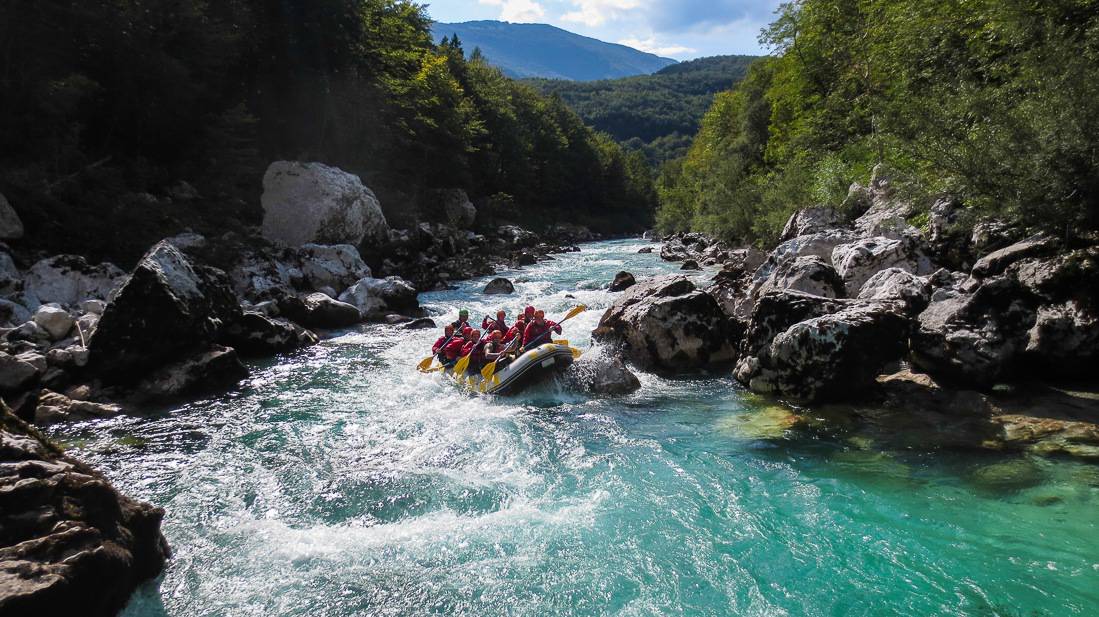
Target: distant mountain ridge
{"x": 541, "y": 50}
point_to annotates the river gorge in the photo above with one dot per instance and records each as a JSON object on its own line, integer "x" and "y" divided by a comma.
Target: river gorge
{"x": 338, "y": 480}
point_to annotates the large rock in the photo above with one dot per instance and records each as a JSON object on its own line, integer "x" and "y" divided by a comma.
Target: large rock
{"x": 774, "y": 313}
{"x": 811, "y": 221}
{"x": 11, "y": 227}
{"x": 809, "y": 274}
{"x": 167, "y": 306}
{"x": 602, "y": 374}
{"x": 337, "y": 266}
{"x": 17, "y": 372}
{"x": 668, "y": 325}
{"x": 856, "y": 262}
{"x": 459, "y": 210}
{"x": 744, "y": 261}
{"x": 68, "y": 280}
{"x": 56, "y": 321}
{"x": 898, "y": 285}
{"x": 255, "y": 334}
{"x": 214, "y": 369}
{"x": 70, "y": 543}
{"x": 622, "y": 281}
{"x": 318, "y": 310}
{"x": 499, "y": 286}
{"x": 829, "y": 357}
{"x": 1064, "y": 341}
{"x": 818, "y": 244}
{"x": 393, "y": 293}
{"x": 54, "y": 408}
{"x": 974, "y": 338}
{"x": 314, "y": 203}
{"x": 13, "y": 313}
{"x": 517, "y": 237}
{"x": 996, "y": 262}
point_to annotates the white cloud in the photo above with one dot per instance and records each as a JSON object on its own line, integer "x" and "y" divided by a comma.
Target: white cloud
{"x": 518, "y": 10}
{"x": 650, "y": 45}
{"x": 594, "y": 13}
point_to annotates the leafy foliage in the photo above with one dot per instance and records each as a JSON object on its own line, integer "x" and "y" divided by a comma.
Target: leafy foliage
{"x": 108, "y": 101}
{"x": 655, "y": 114}
{"x": 993, "y": 101}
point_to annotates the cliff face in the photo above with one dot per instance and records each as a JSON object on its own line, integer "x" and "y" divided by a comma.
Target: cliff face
{"x": 69, "y": 542}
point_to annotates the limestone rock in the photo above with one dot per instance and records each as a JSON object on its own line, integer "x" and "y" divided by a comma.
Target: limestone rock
{"x": 499, "y": 286}
{"x": 996, "y": 262}
{"x": 68, "y": 280}
{"x": 1064, "y": 341}
{"x": 55, "y": 320}
{"x": 602, "y": 374}
{"x": 460, "y": 211}
{"x": 11, "y": 227}
{"x": 17, "y": 373}
{"x": 690, "y": 264}
{"x": 393, "y": 293}
{"x": 811, "y": 221}
{"x": 314, "y": 203}
{"x": 71, "y": 543}
{"x": 666, "y": 324}
{"x": 832, "y": 356}
{"x": 898, "y": 285}
{"x": 858, "y": 261}
{"x": 255, "y": 334}
{"x": 213, "y": 369}
{"x": 166, "y": 306}
{"x": 338, "y": 266}
{"x": 744, "y": 261}
{"x": 516, "y": 237}
{"x": 54, "y": 408}
{"x": 318, "y": 310}
{"x": 13, "y": 313}
{"x": 622, "y": 281}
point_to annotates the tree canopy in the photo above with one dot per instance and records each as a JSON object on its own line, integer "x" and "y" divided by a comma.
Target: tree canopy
{"x": 993, "y": 101}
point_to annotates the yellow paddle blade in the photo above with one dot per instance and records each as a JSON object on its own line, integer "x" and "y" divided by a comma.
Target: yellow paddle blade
{"x": 489, "y": 369}
{"x": 576, "y": 311}
{"x": 461, "y": 366}
{"x": 575, "y": 352}
{"x": 561, "y": 342}
{"x": 426, "y": 363}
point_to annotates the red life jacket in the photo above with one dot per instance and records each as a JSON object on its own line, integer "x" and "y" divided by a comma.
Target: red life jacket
{"x": 439, "y": 344}
{"x": 453, "y": 349}
{"x": 534, "y": 332}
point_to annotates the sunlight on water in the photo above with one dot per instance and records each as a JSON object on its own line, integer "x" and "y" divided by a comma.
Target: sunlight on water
{"x": 340, "y": 481}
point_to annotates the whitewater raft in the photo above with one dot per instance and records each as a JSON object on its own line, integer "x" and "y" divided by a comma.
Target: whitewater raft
{"x": 533, "y": 367}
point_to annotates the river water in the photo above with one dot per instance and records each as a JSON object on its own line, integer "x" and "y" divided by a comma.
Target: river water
{"x": 340, "y": 481}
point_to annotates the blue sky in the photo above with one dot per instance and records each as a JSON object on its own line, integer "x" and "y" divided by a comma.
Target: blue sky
{"x": 680, "y": 29}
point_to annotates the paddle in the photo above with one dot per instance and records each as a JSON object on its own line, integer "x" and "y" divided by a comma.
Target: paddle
{"x": 490, "y": 368}
{"x": 425, "y": 364}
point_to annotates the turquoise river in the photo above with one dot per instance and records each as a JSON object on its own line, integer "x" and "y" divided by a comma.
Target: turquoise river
{"x": 340, "y": 481}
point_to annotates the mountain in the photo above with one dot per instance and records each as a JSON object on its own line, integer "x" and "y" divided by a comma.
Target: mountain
{"x": 657, "y": 114}
{"x": 540, "y": 50}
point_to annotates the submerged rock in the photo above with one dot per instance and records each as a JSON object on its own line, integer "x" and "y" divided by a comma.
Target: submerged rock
{"x": 71, "y": 544}
{"x": 599, "y": 373}
{"x": 499, "y": 286}
{"x": 214, "y": 369}
{"x": 667, "y": 324}
{"x": 622, "y": 281}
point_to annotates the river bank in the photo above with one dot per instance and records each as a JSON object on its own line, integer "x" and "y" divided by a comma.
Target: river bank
{"x": 337, "y": 480}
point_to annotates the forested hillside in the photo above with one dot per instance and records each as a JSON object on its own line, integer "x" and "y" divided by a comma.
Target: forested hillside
{"x": 542, "y": 50}
{"x": 656, "y": 114}
{"x": 108, "y": 105}
{"x": 994, "y": 102}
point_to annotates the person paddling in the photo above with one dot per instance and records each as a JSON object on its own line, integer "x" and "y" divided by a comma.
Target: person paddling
{"x": 453, "y": 350}
{"x": 538, "y": 329}
{"x": 437, "y": 348}
{"x": 475, "y": 349}
{"x": 496, "y": 349}
{"x": 462, "y": 322}
{"x": 495, "y": 325}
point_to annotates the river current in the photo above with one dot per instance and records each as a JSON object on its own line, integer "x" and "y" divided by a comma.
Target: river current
{"x": 340, "y": 481}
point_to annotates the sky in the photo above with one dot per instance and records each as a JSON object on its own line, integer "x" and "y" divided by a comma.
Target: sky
{"x": 680, "y": 29}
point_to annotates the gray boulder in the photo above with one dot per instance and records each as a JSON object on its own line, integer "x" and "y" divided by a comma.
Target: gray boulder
{"x": 54, "y": 408}
{"x": 517, "y": 237}
{"x": 68, "y": 280}
{"x": 313, "y": 203}
{"x": 499, "y": 286}
{"x": 856, "y": 262}
{"x": 829, "y": 357}
{"x": 997, "y": 261}
{"x": 167, "y": 306}
{"x": 17, "y": 373}
{"x": 255, "y": 334}
{"x": 372, "y": 296}
{"x": 811, "y": 221}
{"x": 602, "y": 374}
{"x": 666, "y": 324}
{"x": 213, "y": 369}
{"x": 11, "y": 227}
{"x": 318, "y": 310}
{"x": 336, "y": 266}
{"x": 459, "y": 210}
{"x": 13, "y": 313}
{"x": 744, "y": 261}
{"x": 56, "y": 321}
{"x": 690, "y": 264}
{"x": 1064, "y": 340}
{"x": 899, "y": 285}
